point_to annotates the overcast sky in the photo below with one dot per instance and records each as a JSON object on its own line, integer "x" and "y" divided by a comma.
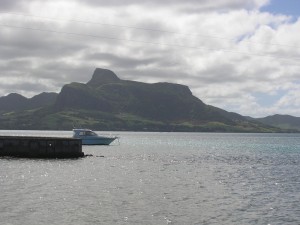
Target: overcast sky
{"x": 242, "y": 56}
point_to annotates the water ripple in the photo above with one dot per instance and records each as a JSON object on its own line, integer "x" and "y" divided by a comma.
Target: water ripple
{"x": 160, "y": 178}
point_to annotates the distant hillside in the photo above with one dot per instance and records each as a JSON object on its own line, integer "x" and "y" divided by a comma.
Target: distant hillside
{"x": 12, "y": 101}
{"x": 107, "y": 102}
{"x": 282, "y": 121}
{"x": 17, "y": 102}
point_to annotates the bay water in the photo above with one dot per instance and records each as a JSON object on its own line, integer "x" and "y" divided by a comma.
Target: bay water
{"x": 158, "y": 178}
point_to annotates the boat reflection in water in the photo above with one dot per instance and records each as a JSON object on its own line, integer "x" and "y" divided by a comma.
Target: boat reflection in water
{"x": 89, "y": 137}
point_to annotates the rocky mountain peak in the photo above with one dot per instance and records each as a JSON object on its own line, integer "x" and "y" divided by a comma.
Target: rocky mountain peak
{"x": 103, "y": 76}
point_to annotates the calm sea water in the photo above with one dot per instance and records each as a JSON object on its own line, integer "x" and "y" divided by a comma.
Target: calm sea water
{"x": 158, "y": 178}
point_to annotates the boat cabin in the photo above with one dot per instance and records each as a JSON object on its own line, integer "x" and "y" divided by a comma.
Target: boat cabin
{"x": 83, "y": 132}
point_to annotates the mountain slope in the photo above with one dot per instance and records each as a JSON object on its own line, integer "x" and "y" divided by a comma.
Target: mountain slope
{"x": 282, "y": 121}
{"x": 12, "y": 101}
{"x": 17, "y": 102}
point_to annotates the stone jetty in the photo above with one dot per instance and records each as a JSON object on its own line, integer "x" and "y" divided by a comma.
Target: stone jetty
{"x": 40, "y": 147}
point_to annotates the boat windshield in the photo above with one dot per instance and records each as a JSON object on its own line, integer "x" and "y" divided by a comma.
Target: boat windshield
{"x": 84, "y": 133}
{"x": 90, "y": 133}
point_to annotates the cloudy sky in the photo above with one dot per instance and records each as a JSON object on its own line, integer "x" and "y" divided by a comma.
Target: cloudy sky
{"x": 240, "y": 55}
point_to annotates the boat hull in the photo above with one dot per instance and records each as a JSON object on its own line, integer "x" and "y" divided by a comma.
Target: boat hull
{"x": 98, "y": 141}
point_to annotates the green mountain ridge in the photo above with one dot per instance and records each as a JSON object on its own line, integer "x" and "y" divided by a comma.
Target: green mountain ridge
{"x": 282, "y": 121}
{"x": 107, "y": 102}
{"x": 17, "y": 102}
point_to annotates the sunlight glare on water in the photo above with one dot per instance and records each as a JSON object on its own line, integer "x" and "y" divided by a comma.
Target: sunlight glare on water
{"x": 159, "y": 178}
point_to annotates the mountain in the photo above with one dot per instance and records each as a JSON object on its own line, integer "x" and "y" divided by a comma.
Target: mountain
{"x": 107, "y": 102}
{"x": 282, "y": 121}
{"x": 107, "y": 93}
{"x": 17, "y": 102}
{"x": 12, "y": 101}
{"x": 42, "y": 100}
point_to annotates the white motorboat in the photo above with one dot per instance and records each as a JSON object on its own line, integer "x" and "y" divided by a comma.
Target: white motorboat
{"x": 90, "y": 137}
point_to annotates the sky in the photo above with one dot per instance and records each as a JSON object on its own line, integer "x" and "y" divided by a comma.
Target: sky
{"x": 241, "y": 56}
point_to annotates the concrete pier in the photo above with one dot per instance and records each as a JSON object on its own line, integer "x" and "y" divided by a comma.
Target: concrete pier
{"x": 40, "y": 147}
